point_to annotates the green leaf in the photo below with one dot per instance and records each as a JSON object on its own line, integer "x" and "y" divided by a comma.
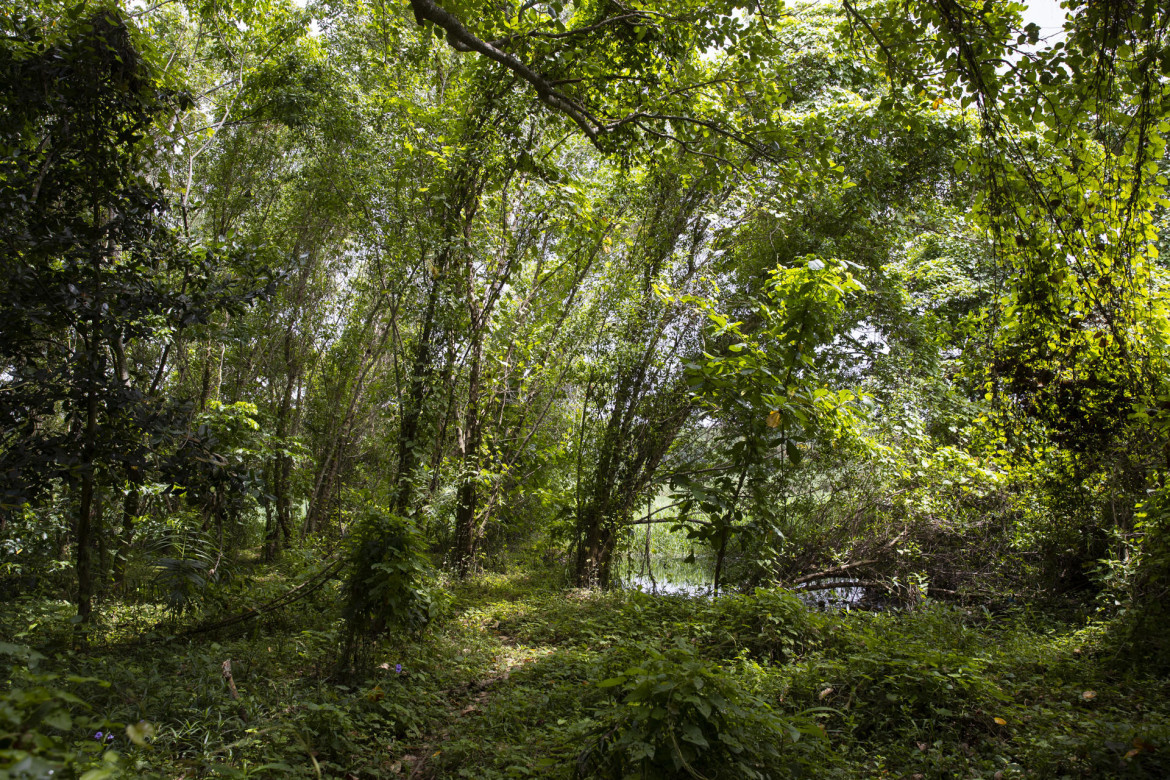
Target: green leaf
{"x": 59, "y": 719}
{"x": 693, "y": 734}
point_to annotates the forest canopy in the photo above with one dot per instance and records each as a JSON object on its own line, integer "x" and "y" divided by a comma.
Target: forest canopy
{"x": 330, "y": 317}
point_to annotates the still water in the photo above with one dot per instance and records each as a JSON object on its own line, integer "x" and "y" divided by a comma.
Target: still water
{"x": 672, "y": 575}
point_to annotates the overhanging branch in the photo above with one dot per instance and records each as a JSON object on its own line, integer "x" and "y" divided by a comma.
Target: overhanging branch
{"x": 463, "y": 39}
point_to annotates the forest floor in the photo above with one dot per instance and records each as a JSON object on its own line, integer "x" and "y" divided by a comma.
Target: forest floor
{"x": 527, "y": 678}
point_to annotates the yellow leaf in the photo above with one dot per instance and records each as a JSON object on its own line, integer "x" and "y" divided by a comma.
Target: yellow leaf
{"x": 139, "y": 732}
{"x": 773, "y": 419}
{"x": 937, "y": 102}
{"x": 1001, "y": 721}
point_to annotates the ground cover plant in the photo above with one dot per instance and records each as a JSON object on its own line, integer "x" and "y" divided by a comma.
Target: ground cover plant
{"x": 584, "y": 388}
{"x": 515, "y": 683}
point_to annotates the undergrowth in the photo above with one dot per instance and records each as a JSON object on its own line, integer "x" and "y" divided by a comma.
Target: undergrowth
{"x": 524, "y": 678}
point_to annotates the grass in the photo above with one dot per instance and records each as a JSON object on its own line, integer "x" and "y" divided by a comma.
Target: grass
{"x": 519, "y": 682}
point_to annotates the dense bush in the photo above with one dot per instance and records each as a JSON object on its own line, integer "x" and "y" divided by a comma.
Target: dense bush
{"x": 771, "y": 625}
{"x": 391, "y": 584}
{"x": 926, "y": 678}
{"x": 677, "y": 715}
{"x": 46, "y": 729}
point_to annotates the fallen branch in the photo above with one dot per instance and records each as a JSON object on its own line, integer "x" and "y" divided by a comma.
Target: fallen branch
{"x": 836, "y": 570}
{"x": 290, "y": 596}
{"x": 851, "y": 584}
{"x": 295, "y": 594}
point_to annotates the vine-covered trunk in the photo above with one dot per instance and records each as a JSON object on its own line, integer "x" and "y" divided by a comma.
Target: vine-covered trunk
{"x": 594, "y": 520}
{"x": 87, "y": 504}
{"x": 421, "y": 370}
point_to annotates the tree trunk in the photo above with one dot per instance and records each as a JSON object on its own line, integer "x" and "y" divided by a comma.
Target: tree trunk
{"x": 466, "y": 532}
{"x": 726, "y": 532}
{"x": 205, "y": 381}
{"x": 595, "y": 522}
{"x": 271, "y": 524}
{"x": 281, "y": 465}
{"x": 421, "y": 371}
{"x": 85, "y": 517}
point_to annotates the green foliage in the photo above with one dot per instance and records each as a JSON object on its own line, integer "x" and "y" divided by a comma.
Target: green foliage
{"x": 919, "y": 680}
{"x": 185, "y": 564}
{"x": 765, "y": 388}
{"x": 1137, "y": 587}
{"x": 46, "y": 730}
{"x": 876, "y": 307}
{"x": 510, "y": 688}
{"x": 391, "y": 584}
{"x": 772, "y": 626}
{"x": 769, "y": 371}
{"x": 678, "y": 715}
{"x": 681, "y": 716}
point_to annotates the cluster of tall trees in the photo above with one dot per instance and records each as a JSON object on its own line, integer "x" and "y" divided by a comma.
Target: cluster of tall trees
{"x": 871, "y": 288}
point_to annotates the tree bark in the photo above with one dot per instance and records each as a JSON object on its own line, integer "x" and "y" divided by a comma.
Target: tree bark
{"x": 466, "y": 532}
{"x": 85, "y": 518}
{"x": 131, "y": 509}
{"x": 421, "y": 371}
{"x": 282, "y": 464}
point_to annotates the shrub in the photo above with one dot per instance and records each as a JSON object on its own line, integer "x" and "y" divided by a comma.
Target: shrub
{"x": 908, "y": 674}
{"x": 392, "y": 584}
{"x": 772, "y": 625}
{"x": 45, "y": 729}
{"x": 677, "y": 715}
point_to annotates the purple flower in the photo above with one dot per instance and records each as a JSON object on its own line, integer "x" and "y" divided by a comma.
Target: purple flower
{"x": 398, "y": 668}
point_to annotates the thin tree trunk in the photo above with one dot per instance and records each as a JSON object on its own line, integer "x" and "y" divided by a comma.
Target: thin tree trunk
{"x": 441, "y": 439}
{"x": 281, "y": 464}
{"x": 271, "y": 524}
{"x": 726, "y": 533}
{"x": 420, "y": 374}
{"x": 85, "y": 518}
{"x": 466, "y": 532}
{"x": 205, "y": 382}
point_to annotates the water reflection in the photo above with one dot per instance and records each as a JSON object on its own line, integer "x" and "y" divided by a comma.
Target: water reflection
{"x": 667, "y": 587}
{"x": 672, "y": 575}
{"x": 840, "y": 594}
{"x": 669, "y": 575}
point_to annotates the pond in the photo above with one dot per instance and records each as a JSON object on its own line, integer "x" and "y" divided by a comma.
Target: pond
{"x": 674, "y": 575}
{"x": 668, "y": 574}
